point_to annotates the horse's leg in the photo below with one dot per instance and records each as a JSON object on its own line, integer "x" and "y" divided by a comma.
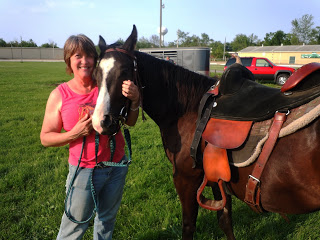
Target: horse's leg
{"x": 177, "y": 140}
{"x": 187, "y": 187}
{"x": 225, "y": 215}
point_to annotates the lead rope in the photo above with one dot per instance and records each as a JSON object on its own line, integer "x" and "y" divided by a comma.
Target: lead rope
{"x": 69, "y": 190}
{"x": 110, "y": 163}
{"x": 123, "y": 163}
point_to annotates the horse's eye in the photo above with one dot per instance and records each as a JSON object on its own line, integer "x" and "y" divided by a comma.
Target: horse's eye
{"x": 125, "y": 72}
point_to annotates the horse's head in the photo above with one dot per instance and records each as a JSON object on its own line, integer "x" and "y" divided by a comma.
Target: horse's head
{"x": 116, "y": 64}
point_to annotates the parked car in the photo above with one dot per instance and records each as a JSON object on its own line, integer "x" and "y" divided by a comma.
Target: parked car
{"x": 264, "y": 69}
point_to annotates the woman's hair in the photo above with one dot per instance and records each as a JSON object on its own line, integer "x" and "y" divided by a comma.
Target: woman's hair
{"x": 78, "y": 43}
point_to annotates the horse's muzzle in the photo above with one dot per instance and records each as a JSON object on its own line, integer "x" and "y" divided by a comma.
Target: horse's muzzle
{"x": 110, "y": 125}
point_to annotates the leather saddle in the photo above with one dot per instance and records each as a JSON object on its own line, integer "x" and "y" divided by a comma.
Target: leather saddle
{"x": 228, "y": 111}
{"x": 241, "y": 98}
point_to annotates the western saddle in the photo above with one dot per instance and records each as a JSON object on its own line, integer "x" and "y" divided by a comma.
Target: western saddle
{"x": 226, "y": 114}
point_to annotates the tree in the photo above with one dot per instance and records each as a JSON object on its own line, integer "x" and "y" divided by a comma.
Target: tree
{"x": 253, "y": 40}
{"x": 46, "y": 45}
{"x": 192, "y": 41}
{"x": 268, "y": 39}
{"x": 154, "y": 40}
{"x": 143, "y": 43}
{"x": 184, "y": 40}
{"x": 181, "y": 37}
{"x": 172, "y": 44}
{"x": 277, "y": 38}
{"x": 302, "y": 28}
{"x": 205, "y": 40}
{"x": 2, "y": 43}
{"x": 241, "y": 41}
{"x": 120, "y": 41}
{"x": 51, "y": 44}
{"x": 217, "y": 49}
{"x": 14, "y": 43}
{"x": 29, "y": 43}
{"x": 315, "y": 39}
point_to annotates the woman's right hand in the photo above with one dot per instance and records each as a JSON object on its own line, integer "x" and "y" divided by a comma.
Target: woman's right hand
{"x": 83, "y": 127}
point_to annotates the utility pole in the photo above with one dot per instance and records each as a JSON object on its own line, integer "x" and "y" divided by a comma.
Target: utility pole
{"x": 21, "y": 48}
{"x": 160, "y": 32}
{"x": 53, "y": 50}
{"x": 224, "y": 49}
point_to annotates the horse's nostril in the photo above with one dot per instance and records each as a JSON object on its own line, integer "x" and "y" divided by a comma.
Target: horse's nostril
{"x": 106, "y": 122}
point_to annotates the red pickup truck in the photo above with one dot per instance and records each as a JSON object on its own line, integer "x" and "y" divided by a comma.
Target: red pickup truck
{"x": 264, "y": 69}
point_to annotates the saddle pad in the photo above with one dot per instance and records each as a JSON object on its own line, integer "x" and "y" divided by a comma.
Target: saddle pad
{"x": 297, "y": 119}
{"x": 226, "y": 134}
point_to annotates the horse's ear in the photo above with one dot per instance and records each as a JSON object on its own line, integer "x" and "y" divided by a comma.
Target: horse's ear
{"x": 130, "y": 43}
{"x": 102, "y": 44}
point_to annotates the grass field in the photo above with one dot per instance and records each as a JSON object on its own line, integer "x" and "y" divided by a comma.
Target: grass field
{"x": 32, "y": 178}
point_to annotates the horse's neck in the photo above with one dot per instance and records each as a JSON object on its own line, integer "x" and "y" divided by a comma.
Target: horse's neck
{"x": 167, "y": 97}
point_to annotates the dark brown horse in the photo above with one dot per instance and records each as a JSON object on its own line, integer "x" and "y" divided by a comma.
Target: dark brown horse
{"x": 170, "y": 95}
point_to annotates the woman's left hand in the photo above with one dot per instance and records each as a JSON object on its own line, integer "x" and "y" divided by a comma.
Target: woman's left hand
{"x": 130, "y": 90}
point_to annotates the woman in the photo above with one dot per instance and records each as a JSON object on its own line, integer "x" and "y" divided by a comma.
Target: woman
{"x": 70, "y": 107}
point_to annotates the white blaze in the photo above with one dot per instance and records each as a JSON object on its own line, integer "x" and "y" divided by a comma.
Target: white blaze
{"x": 103, "y": 105}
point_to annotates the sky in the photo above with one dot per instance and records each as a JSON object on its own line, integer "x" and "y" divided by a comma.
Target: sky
{"x": 46, "y": 21}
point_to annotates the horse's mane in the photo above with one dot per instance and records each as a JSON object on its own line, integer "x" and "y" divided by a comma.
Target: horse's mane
{"x": 185, "y": 87}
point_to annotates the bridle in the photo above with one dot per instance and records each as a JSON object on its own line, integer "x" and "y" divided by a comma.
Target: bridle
{"x": 124, "y": 111}
{"x": 123, "y": 51}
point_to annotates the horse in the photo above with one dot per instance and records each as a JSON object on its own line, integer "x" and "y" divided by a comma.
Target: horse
{"x": 170, "y": 95}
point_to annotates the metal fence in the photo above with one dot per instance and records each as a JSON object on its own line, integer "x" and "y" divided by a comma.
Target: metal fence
{"x": 196, "y": 59}
{"x": 30, "y": 53}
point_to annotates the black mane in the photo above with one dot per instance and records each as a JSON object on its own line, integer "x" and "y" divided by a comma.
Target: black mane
{"x": 183, "y": 87}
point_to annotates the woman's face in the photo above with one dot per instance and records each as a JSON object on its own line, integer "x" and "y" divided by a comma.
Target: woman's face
{"x": 82, "y": 65}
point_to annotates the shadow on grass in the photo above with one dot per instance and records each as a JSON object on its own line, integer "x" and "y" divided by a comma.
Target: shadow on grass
{"x": 173, "y": 233}
{"x": 250, "y": 225}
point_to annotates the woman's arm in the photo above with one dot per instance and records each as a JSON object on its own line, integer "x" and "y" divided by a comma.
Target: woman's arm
{"x": 51, "y": 135}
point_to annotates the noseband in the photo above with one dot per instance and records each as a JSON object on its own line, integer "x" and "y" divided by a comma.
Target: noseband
{"x": 136, "y": 80}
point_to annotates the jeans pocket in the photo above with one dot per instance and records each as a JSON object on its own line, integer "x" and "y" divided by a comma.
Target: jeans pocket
{"x": 80, "y": 178}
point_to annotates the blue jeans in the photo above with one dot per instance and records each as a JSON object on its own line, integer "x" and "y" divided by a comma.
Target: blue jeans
{"x": 108, "y": 184}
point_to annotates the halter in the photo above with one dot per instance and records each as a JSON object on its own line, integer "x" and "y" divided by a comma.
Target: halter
{"x": 135, "y": 79}
{"x": 121, "y": 50}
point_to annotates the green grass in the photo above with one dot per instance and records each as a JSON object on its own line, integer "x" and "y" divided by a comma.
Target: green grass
{"x": 32, "y": 178}
{"x": 216, "y": 70}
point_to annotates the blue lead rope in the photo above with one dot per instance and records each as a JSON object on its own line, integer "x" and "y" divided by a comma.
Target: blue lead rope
{"x": 69, "y": 190}
{"x": 123, "y": 163}
{"x": 110, "y": 163}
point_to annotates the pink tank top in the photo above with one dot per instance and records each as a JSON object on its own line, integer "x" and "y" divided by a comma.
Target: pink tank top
{"x": 74, "y": 107}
